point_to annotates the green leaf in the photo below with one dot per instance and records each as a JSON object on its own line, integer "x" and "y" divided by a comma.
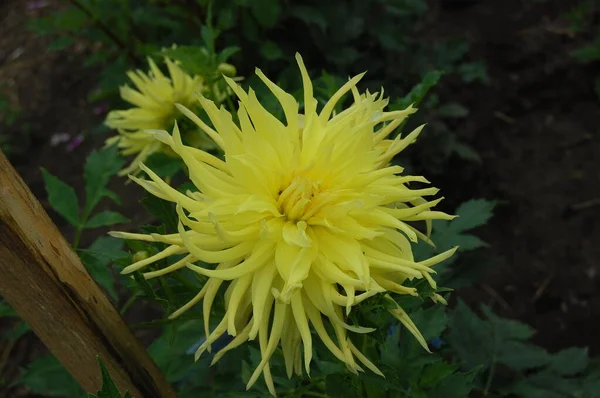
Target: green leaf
{"x": 469, "y": 242}
{"x": 99, "y": 168}
{"x": 458, "y": 385}
{"x": 416, "y": 95}
{"x": 508, "y": 329}
{"x": 465, "y": 151}
{"x": 434, "y": 373}
{"x": 472, "y": 214}
{"x": 165, "y": 165}
{"x": 46, "y": 376}
{"x": 271, "y": 51}
{"x": 18, "y": 330}
{"x": 163, "y": 210}
{"x": 171, "y": 352}
{"x": 470, "y": 336}
{"x": 588, "y": 53}
{"x": 453, "y": 110}
{"x": 266, "y": 12}
{"x": 474, "y": 71}
{"x": 570, "y": 361}
{"x": 97, "y": 258}
{"x": 7, "y": 311}
{"x": 108, "y": 389}
{"x": 105, "y": 218}
{"x": 521, "y": 356}
{"x": 431, "y": 321}
{"x": 62, "y": 198}
{"x": 226, "y": 53}
{"x": 61, "y": 43}
{"x": 107, "y": 193}
{"x": 194, "y": 59}
{"x": 544, "y": 384}
{"x": 339, "y": 385}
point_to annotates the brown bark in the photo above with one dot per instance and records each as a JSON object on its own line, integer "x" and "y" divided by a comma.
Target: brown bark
{"x": 44, "y": 280}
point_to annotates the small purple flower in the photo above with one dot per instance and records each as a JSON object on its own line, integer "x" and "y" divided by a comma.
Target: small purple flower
{"x": 75, "y": 142}
{"x": 35, "y": 5}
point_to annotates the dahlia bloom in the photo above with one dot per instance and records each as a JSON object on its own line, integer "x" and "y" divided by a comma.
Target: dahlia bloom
{"x": 154, "y": 98}
{"x": 303, "y": 221}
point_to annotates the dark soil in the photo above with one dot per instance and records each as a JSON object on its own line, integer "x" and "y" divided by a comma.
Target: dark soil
{"x": 535, "y": 128}
{"x": 537, "y": 132}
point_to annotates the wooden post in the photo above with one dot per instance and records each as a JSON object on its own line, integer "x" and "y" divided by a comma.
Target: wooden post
{"x": 44, "y": 280}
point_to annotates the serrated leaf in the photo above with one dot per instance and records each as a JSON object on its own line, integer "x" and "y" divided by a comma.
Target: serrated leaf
{"x": 97, "y": 257}
{"x": 521, "y": 356}
{"x": 100, "y": 166}
{"x": 469, "y": 242}
{"x": 112, "y": 196}
{"x": 431, "y": 322}
{"x": 62, "y": 198}
{"x": 163, "y": 210}
{"x": 108, "y": 389}
{"x": 544, "y": 384}
{"x": 171, "y": 352}
{"x": 508, "y": 329}
{"x": 434, "y": 373}
{"x": 458, "y": 385}
{"x": 470, "y": 336}
{"x": 416, "y": 95}
{"x": 105, "y": 218}
{"x": 570, "y": 361}
{"x": 46, "y": 376}
{"x": 471, "y": 214}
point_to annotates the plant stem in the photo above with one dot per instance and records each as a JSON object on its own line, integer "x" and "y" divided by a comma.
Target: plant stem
{"x": 76, "y": 237}
{"x": 488, "y": 383}
{"x": 6, "y": 353}
{"x": 128, "y": 303}
{"x": 109, "y": 33}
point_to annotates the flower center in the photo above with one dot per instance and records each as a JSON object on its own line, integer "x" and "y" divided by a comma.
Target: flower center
{"x": 295, "y": 200}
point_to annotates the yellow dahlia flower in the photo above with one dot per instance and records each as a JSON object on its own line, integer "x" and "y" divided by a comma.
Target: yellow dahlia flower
{"x": 154, "y": 98}
{"x": 303, "y": 219}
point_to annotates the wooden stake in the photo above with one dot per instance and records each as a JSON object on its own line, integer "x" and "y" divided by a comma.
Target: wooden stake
{"x": 45, "y": 282}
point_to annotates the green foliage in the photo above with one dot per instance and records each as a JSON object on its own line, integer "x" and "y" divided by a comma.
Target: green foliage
{"x": 46, "y": 376}
{"x": 97, "y": 258}
{"x": 418, "y": 92}
{"x": 471, "y": 214}
{"x": 62, "y": 198}
{"x": 499, "y": 344}
{"x": 362, "y": 34}
{"x": 100, "y": 167}
{"x": 108, "y": 389}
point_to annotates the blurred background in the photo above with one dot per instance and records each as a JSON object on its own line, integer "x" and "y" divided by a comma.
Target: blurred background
{"x": 512, "y": 119}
